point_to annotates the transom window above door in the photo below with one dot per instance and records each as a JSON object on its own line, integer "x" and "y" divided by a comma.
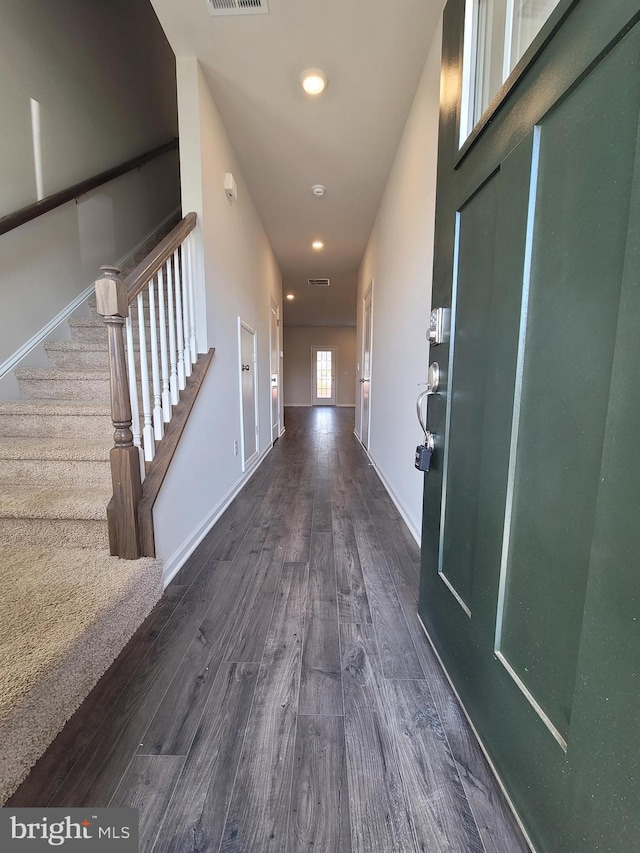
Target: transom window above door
{"x": 497, "y": 34}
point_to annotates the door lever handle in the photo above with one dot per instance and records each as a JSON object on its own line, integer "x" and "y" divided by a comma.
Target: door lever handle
{"x": 432, "y": 386}
{"x": 420, "y": 411}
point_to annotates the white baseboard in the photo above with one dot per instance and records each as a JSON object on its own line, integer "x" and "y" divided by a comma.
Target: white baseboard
{"x": 346, "y": 405}
{"x": 477, "y": 737}
{"x": 179, "y": 557}
{"x": 66, "y": 312}
{"x": 417, "y": 535}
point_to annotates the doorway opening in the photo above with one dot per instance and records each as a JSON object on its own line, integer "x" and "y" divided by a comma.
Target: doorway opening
{"x": 365, "y": 378}
{"x": 248, "y": 351}
{"x": 274, "y": 349}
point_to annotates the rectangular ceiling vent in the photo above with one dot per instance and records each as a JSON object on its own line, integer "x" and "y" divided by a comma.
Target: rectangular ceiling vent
{"x": 238, "y": 7}
{"x": 318, "y": 282}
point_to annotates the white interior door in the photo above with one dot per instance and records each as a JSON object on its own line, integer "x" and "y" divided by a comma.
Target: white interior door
{"x": 323, "y": 392}
{"x": 275, "y": 371}
{"x": 365, "y": 379}
{"x": 248, "y": 392}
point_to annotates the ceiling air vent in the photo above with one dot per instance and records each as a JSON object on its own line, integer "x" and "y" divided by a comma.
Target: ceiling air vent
{"x": 238, "y": 7}
{"x": 318, "y": 282}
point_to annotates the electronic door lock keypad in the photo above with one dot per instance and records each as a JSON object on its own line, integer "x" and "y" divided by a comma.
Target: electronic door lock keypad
{"x": 439, "y": 326}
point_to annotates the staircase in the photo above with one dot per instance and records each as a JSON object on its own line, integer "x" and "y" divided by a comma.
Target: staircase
{"x": 67, "y": 607}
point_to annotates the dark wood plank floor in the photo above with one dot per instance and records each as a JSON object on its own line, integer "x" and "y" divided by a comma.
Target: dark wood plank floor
{"x": 282, "y": 696}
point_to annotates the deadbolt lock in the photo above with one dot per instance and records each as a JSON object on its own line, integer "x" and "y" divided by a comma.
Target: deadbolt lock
{"x": 439, "y": 325}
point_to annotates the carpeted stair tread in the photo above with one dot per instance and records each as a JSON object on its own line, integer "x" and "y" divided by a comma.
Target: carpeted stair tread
{"x": 97, "y": 322}
{"x": 51, "y": 502}
{"x": 87, "y": 321}
{"x": 55, "y": 449}
{"x": 77, "y": 419}
{"x": 66, "y": 616}
{"x": 55, "y": 407}
{"x": 77, "y": 346}
{"x": 78, "y": 355}
{"x": 46, "y": 374}
{"x": 47, "y": 582}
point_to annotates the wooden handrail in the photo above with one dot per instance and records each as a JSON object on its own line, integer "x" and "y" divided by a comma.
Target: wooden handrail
{"x": 140, "y": 276}
{"x": 32, "y": 211}
{"x": 173, "y": 352}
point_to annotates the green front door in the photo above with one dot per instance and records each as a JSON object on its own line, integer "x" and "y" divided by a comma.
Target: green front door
{"x": 530, "y": 584}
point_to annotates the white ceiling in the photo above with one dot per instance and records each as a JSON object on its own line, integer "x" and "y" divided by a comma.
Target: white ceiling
{"x": 373, "y": 52}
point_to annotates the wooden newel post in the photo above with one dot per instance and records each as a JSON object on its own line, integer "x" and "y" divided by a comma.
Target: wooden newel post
{"x": 112, "y": 303}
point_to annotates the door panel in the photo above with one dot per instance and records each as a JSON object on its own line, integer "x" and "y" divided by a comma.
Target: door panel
{"x": 249, "y": 409}
{"x": 471, "y": 313}
{"x": 569, "y": 329}
{"x": 537, "y": 250}
{"x": 365, "y": 379}
{"x": 606, "y": 699}
{"x": 275, "y": 371}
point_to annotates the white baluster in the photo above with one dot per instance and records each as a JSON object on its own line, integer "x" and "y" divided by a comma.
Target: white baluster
{"x": 147, "y": 429}
{"x": 173, "y": 367}
{"x": 164, "y": 359}
{"x": 133, "y": 392}
{"x": 179, "y": 322}
{"x": 192, "y": 304}
{"x": 185, "y": 308}
{"x": 158, "y": 428}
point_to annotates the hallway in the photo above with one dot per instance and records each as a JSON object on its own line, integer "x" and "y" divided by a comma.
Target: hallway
{"x": 282, "y": 695}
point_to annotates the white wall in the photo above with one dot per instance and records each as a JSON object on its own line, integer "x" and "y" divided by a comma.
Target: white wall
{"x": 239, "y": 276}
{"x": 298, "y": 341}
{"x": 399, "y": 258}
{"x": 104, "y": 76}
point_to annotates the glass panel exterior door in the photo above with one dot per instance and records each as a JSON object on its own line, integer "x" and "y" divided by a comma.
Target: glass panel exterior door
{"x": 323, "y": 370}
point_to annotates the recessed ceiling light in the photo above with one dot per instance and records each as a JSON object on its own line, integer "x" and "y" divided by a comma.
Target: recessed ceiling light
{"x": 290, "y": 296}
{"x": 317, "y": 244}
{"x": 313, "y": 81}
{"x": 318, "y": 190}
